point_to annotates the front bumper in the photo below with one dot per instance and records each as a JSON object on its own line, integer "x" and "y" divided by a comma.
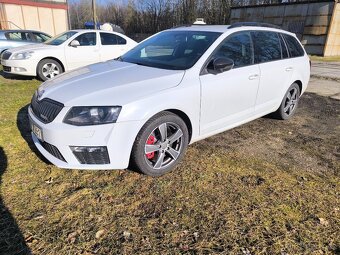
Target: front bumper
{"x": 117, "y": 137}
{"x": 26, "y": 67}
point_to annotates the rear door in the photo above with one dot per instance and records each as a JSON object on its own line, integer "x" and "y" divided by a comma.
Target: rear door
{"x": 229, "y": 98}
{"x": 112, "y": 46}
{"x": 276, "y": 69}
{"x": 85, "y": 54}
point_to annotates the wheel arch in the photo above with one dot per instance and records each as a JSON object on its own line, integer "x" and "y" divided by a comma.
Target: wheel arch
{"x": 184, "y": 117}
{"x": 299, "y": 83}
{"x": 55, "y": 59}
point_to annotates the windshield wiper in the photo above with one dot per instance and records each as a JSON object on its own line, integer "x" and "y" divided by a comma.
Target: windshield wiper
{"x": 141, "y": 64}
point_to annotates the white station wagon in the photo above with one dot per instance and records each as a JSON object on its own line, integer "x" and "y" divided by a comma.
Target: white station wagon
{"x": 175, "y": 88}
{"x": 64, "y": 52}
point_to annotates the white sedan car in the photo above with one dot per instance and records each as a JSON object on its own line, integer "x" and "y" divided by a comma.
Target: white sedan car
{"x": 64, "y": 52}
{"x": 175, "y": 88}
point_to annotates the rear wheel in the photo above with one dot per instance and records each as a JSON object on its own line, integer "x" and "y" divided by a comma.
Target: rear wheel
{"x": 289, "y": 103}
{"x": 48, "y": 68}
{"x": 160, "y": 145}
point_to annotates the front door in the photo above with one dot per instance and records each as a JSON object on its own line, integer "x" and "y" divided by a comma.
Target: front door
{"x": 85, "y": 54}
{"x": 228, "y": 98}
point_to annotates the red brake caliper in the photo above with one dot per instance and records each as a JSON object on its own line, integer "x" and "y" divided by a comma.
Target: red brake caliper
{"x": 151, "y": 140}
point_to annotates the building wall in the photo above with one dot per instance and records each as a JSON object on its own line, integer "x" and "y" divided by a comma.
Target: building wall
{"x": 333, "y": 41}
{"x": 49, "y": 17}
{"x": 311, "y": 22}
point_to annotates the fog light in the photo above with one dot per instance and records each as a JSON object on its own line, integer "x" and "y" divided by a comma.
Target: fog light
{"x": 91, "y": 155}
{"x": 19, "y": 69}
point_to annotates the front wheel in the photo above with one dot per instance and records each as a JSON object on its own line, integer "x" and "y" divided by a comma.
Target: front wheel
{"x": 289, "y": 103}
{"x": 48, "y": 68}
{"x": 160, "y": 144}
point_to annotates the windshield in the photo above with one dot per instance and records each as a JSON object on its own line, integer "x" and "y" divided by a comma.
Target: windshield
{"x": 174, "y": 50}
{"x": 61, "y": 38}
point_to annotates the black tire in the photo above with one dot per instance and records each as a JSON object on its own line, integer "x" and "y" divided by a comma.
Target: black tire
{"x": 150, "y": 136}
{"x": 56, "y": 69}
{"x": 289, "y": 103}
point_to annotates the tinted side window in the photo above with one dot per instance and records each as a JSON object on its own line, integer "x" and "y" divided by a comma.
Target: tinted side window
{"x": 18, "y": 36}
{"x": 283, "y": 48}
{"x": 237, "y": 47}
{"x": 266, "y": 46}
{"x": 121, "y": 40}
{"x": 87, "y": 39}
{"x": 111, "y": 39}
{"x": 40, "y": 37}
{"x": 108, "y": 39}
{"x": 294, "y": 46}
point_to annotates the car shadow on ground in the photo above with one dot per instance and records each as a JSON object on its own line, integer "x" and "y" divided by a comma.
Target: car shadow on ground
{"x": 12, "y": 240}
{"x": 15, "y": 77}
{"x": 23, "y": 126}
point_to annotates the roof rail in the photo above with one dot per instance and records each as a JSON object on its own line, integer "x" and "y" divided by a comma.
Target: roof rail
{"x": 253, "y": 24}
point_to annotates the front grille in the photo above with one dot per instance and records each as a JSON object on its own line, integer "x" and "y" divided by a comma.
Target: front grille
{"x": 53, "y": 150}
{"x": 6, "y": 55}
{"x": 45, "y": 110}
{"x": 7, "y": 69}
{"x": 91, "y": 155}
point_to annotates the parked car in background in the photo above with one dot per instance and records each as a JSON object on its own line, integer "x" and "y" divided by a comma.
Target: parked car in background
{"x": 64, "y": 52}
{"x": 174, "y": 88}
{"x": 16, "y": 38}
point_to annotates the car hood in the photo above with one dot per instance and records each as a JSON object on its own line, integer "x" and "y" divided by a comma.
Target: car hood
{"x": 32, "y": 47}
{"x": 109, "y": 83}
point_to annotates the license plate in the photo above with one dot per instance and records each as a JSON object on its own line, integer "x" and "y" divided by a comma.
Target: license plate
{"x": 36, "y": 130}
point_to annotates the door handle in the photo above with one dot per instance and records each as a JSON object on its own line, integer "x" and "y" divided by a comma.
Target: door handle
{"x": 253, "y": 77}
{"x": 289, "y": 69}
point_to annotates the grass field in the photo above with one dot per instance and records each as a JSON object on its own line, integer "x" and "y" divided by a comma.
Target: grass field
{"x": 268, "y": 187}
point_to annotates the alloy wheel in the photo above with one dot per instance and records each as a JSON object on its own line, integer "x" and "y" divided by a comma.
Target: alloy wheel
{"x": 291, "y": 101}
{"x": 164, "y": 145}
{"x": 49, "y": 70}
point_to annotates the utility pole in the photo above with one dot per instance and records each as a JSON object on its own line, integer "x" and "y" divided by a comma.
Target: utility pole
{"x": 94, "y": 13}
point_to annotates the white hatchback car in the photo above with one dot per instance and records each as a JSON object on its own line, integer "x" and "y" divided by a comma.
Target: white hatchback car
{"x": 173, "y": 89}
{"x": 64, "y": 52}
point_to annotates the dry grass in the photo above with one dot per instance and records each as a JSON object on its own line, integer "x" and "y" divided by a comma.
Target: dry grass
{"x": 268, "y": 187}
{"x": 325, "y": 59}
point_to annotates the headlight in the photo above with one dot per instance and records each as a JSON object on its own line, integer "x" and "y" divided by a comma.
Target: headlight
{"x": 22, "y": 55}
{"x": 92, "y": 115}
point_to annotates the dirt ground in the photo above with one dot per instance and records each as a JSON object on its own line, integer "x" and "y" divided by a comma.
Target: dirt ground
{"x": 267, "y": 187}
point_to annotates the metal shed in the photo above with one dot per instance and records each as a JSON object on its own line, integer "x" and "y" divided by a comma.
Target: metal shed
{"x": 315, "y": 22}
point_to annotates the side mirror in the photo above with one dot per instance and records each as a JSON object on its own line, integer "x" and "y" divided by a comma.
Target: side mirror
{"x": 75, "y": 43}
{"x": 220, "y": 65}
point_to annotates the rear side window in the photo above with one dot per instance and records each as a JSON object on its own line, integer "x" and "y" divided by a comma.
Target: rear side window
{"x": 283, "y": 48}
{"x": 267, "y": 46}
{"x": 294, "y": 47}
{"x": 18, "y": 36}
{"x": 111, "y": 39}
{"x": 237, "y": 47}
